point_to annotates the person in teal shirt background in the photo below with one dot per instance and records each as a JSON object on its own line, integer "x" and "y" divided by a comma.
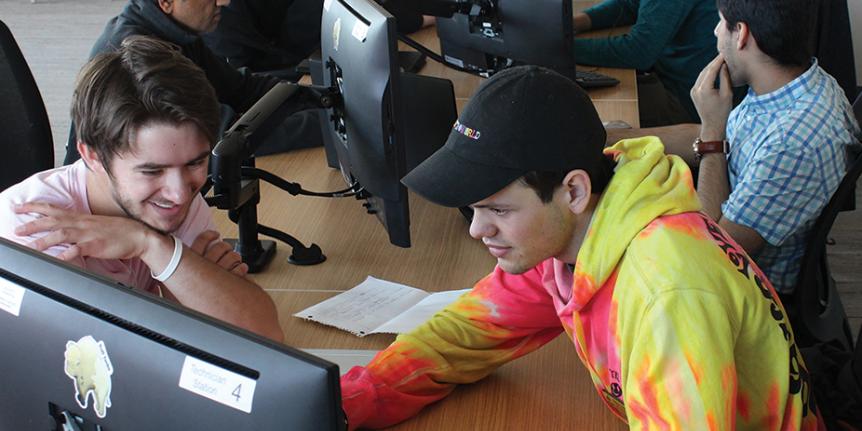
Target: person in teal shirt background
{"x": 670, "y": 39}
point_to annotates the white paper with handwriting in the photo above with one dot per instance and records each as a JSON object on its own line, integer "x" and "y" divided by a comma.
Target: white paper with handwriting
{"x": 379, "y": 307}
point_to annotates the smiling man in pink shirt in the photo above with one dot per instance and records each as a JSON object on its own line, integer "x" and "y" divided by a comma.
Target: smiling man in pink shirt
{"x": 131, "y": 208}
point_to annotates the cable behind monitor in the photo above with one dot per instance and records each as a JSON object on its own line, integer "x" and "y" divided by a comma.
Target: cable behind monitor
{"x": 437, "y": 57}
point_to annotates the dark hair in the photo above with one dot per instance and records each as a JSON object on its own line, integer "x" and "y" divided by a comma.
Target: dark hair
{"x": 146, "y": 80}
{"x": 782, "y": 28}
{"x": 544, "y": 183}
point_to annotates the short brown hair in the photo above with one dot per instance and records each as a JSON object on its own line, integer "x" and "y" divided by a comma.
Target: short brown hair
{"x": 545, "y": 183}
{"x": 147, "y": 80}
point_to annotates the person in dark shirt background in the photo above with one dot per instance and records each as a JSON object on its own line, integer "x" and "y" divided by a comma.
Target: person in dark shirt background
{"x": 182, "y": 22}
{"x": 273, "y": 36}
{"x": 670, "y": 42}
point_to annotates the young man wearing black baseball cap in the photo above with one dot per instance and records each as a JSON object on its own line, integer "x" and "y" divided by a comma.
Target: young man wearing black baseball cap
{"x": 677, "y": 326}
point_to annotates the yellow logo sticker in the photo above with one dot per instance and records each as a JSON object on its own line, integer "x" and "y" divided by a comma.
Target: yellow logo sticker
{"x": 88, "y": 365}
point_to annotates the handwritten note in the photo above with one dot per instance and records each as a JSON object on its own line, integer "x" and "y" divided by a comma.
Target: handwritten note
{"x": 377, "y": 306}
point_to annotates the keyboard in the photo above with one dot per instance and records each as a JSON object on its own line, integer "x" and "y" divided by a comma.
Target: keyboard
{"x": 587, "y": 79}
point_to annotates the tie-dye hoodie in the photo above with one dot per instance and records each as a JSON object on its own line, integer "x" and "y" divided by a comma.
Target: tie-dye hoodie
{"x": 677, "y": 326}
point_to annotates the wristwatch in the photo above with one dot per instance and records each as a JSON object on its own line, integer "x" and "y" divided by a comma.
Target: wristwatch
{"x": 702, "y": 147}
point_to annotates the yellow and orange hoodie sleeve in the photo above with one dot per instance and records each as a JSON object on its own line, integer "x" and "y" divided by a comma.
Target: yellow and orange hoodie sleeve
{"x": 502, "y": 318}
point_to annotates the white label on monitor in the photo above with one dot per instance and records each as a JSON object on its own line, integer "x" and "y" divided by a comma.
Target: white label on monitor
{"x": 11, "y": 297}
{"x": 326, "y": 4}
{"x": 217, "y": 384}
{"x": 360, "y": 30}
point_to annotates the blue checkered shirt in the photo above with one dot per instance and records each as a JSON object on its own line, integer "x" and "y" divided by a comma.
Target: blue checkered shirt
{"x": 787, "y": 157}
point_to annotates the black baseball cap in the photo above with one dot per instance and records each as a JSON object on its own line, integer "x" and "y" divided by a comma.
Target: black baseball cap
{"x": 522, "y": 119}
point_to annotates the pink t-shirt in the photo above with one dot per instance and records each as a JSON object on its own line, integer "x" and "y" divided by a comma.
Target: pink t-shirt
{"x": 66, "y": 187}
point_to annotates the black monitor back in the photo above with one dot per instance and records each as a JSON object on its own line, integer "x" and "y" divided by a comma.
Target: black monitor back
{"x": 149, "y": 344}
{"x": 391, "y": 120}
{"x": 535, "y": 32}
{"x": 358, "y": 50}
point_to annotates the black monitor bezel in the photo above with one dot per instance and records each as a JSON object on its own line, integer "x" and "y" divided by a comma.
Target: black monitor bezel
{"x": 169, "y": 325}
{"x": 374, "y": 156}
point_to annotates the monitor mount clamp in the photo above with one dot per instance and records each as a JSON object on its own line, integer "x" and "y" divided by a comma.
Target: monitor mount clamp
{"x": 235, "y": 180}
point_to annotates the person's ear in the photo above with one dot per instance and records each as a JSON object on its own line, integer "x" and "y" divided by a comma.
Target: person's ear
{"x": 743, "y": 33}
{"x": 90, "y": 158}
{"x": 167, "y": 6}
{"x": 578, "y": 188}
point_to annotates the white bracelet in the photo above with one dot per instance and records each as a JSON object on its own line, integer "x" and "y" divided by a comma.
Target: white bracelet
{"x": 173, "y": 264}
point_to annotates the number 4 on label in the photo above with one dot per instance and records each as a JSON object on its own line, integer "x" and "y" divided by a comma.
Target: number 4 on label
{"x": 236, "y": 392}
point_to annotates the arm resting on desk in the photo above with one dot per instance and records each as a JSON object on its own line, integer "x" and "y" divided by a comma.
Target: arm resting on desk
{"x": 657, "y": 23}
{"x": 504, "y": 317}
{"x": 677, "y": 139}
{"x": 609, "y": 13}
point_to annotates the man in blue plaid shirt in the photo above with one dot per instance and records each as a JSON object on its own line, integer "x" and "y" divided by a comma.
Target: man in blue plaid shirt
{"x": 768, "y": 167}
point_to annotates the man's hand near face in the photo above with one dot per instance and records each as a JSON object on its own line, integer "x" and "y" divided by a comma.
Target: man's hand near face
{"x": 713, "y": 187}
{"x": 197, "y": 283}
{"x": 713, "y": 104}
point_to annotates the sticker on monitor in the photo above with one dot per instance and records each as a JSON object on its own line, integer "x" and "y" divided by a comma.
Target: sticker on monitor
{"x": 88, "y": 365}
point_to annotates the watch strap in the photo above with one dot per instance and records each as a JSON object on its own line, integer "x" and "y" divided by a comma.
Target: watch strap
{"x": 701, "y": 147}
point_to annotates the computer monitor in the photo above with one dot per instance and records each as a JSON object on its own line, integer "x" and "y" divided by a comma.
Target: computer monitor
{"x": 81, "y": 352}
{"x": 489, "y": 35}
{"x": 388, "y": 121}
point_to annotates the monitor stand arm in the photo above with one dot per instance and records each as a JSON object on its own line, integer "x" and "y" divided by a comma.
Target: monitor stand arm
{"x": 236, "y": 182}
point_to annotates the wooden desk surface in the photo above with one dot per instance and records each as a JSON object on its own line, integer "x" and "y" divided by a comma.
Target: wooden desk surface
{"x": 549, "y": 389}
{"x": 443, "y": 257}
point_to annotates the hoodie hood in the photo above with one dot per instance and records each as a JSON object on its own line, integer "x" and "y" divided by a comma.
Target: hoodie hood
{"x": 165, "y": 27}
{"x": 647, "y": 184}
